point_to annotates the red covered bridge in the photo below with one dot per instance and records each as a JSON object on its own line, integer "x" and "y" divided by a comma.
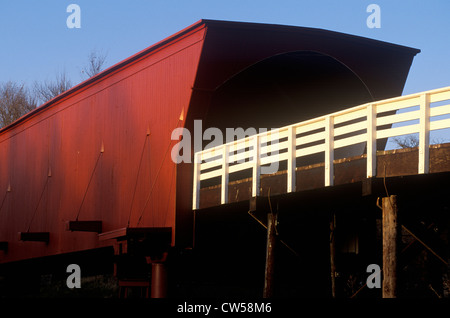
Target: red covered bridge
{"x": 89, "y": 174}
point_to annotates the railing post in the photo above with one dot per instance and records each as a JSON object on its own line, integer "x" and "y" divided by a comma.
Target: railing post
{"x": 329, "y": 150}
{"x": 224, "y": 188}
{"x": 196, "y": 187}
{"x": 371, "y": 141}
{"x": 292, "y": 162}
{"x": 424, "y": 134}
{"x": 256, "y": 165}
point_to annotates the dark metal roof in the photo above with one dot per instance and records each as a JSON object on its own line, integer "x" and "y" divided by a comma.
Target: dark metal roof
{"x": 323, "y": 33}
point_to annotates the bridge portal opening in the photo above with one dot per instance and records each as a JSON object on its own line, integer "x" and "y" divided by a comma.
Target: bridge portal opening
{"x": 285, "y": 89}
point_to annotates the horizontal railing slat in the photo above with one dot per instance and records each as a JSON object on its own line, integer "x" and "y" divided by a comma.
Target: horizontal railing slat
{"x": 299, "y": 129}
{"x": 208, "y": 155}
{"x": 355, "y": 114}
{"x": 211, "y": 164}
{"x": 350, "y": 128}
{"x": 440, "y": 110}
{"x": 439, "y": 96}
{"x": 398, "y": 131}
{"x": 240, "y": 167}
{"x": 440, "y": 124}
{"x": 274, "y": 158}
{"x": 210, "y": 174}
{"x": 309, "y": 150}
{"x": 350, "y": 141}
{"x": 310, "y": 138}
{"x": 240, "y": 156}
{"x": 265, "y": 150}
{"x": 398, "y": 118}
{"x": 383, "y": 106}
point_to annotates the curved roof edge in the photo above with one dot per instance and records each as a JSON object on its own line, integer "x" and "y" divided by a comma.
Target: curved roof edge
{"x": 310, "y": 30}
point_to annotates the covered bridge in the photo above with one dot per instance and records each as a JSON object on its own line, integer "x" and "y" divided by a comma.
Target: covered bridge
{"x": 89, "y": 174}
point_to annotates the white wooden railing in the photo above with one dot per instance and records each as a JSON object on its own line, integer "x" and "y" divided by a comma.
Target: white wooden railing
{"x": 418, "y": 113}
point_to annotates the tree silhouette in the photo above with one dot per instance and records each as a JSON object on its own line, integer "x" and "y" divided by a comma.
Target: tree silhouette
{"x": 15, "y": 101}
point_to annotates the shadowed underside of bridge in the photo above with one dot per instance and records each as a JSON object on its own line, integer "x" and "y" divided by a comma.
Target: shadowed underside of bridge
{"x": 233, "y": 235}
{"x": 350, "y": 174}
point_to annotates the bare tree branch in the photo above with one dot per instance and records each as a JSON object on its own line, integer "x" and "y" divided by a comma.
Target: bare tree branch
{"x": 15, "y": 101}
{"x": 95, "y": 63}
{"x": 48, "y": 90}
{"x": 409, "y": 141}
{"x": 412, "y": 141}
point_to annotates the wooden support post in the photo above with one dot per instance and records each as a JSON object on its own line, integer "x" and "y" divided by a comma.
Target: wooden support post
{"x": 333, "y": 255}
{"x": 159, "y": 281}
{"x": 390, "y": 230}
{"x": 447, "y": 290}
{"x": 270, "y": 256}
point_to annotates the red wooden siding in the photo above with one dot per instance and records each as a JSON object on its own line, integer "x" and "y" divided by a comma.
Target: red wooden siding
{"x": 114, "y": 112}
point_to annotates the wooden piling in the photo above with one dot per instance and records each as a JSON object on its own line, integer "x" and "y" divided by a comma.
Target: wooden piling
{"x": 333, "y": 255}
{"x": 390, "y": 232}
{"x": 159, "y": 281}
{"x": 270, "y": 255}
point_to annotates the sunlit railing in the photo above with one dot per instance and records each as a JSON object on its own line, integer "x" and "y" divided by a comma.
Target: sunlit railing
{"x": 360, "y": 124}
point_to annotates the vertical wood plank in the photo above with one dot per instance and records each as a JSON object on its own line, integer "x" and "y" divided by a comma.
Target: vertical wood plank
{"x": 291, "y": 159}
{"x": 424, "y": 134}
{"x": 225, "y": 177}
{"x": 329, "y": 151}
{"x": 196, "y": 186}
{"x": 256, "y": 175}
{"x": 371, "y": 141}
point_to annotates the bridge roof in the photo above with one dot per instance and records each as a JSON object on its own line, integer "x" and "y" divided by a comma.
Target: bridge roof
{"x": 230, "y": 47}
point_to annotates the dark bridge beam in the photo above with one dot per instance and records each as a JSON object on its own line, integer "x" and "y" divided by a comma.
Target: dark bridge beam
{"x": 4, "y": 247}
{"x": 85, "y": 226}
{"x": 35, "y": 236}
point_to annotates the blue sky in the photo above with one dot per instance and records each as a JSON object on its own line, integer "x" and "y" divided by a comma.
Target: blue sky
{"x": 36, "y": 42}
